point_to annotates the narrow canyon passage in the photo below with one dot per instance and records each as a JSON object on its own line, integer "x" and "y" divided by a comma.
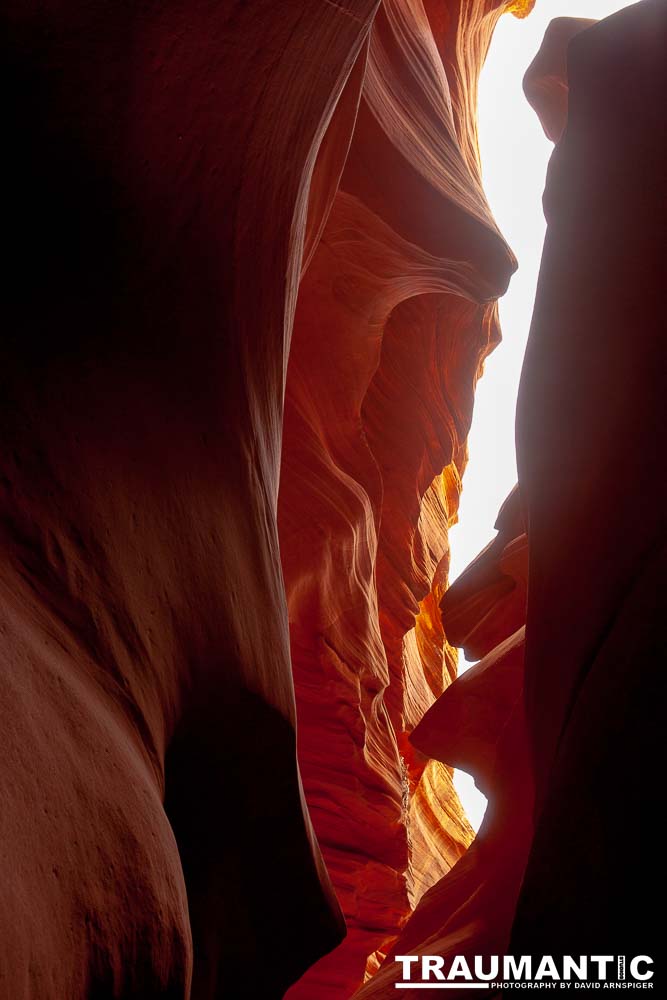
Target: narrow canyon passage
{"x": 478, "y": 724}
{"x": 253, "y": 282}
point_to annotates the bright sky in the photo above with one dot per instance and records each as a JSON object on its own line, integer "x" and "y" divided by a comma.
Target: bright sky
{"x": 515, "y": 153}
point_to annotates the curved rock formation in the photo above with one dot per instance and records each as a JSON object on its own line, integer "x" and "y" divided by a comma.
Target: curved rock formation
{"x": 591, "y": 429}
{"x": 487, "y": 603}
{"x": 160, "y": 159}
{"x": 396, "y": 313}
{"x": 478, "y": 725}
{"x": 179, "y": 176}
{"x": 591, "y": 416}
{"x": 545, "y": 83}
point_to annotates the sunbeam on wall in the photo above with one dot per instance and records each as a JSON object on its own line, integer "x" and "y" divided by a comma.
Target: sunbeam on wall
{"x": 515, "y": 153}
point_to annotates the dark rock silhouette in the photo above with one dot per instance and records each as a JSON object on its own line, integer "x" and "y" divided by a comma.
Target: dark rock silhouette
{"x": 591, "y": 429}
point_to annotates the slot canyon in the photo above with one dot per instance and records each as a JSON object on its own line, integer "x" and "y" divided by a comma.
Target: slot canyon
{"x": 252, "y": 282}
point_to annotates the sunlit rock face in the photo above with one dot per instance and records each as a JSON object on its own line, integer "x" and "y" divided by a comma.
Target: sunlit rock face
{"x": 395, "y": 315}
{"x": 160, "y": 158}
{"x": 478, "y": 725}
{"x": 592, "y": 424}
{"x": 556, "y": 719}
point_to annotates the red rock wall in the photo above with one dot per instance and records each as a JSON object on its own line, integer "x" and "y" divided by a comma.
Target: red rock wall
{"x": 396, "y": 313}
{"x": 562, "y": 719}
{"x": 179, "y": 177}
{"x": 159, "y": 162}
{"x": 478, "y": 725}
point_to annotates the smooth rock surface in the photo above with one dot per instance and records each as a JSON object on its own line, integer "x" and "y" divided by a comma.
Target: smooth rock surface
{"x": 591, "y": 432}
{"x": 159, "y": 161}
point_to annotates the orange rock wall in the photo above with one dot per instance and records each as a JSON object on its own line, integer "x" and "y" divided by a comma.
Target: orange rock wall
{"x": 478, "y": 725}
{"x": 561, "y": 721}
{"x": 396, "y": 312}
{"x": 218, "y": 209}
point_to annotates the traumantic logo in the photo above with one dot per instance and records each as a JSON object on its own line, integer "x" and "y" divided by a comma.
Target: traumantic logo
{"x": 431, "y": 972}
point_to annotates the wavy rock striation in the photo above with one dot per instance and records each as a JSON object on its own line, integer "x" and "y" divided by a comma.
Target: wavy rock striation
{"x": 552, "y": 729}
{"x": 396, "y": 313}
{"x": 478, "y": 725}
{"x": 180, "y": 175}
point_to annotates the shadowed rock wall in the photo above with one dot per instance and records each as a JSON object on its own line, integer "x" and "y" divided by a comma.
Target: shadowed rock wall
{"x": 591, "y": 431}
{"x": 160, "y": 159}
